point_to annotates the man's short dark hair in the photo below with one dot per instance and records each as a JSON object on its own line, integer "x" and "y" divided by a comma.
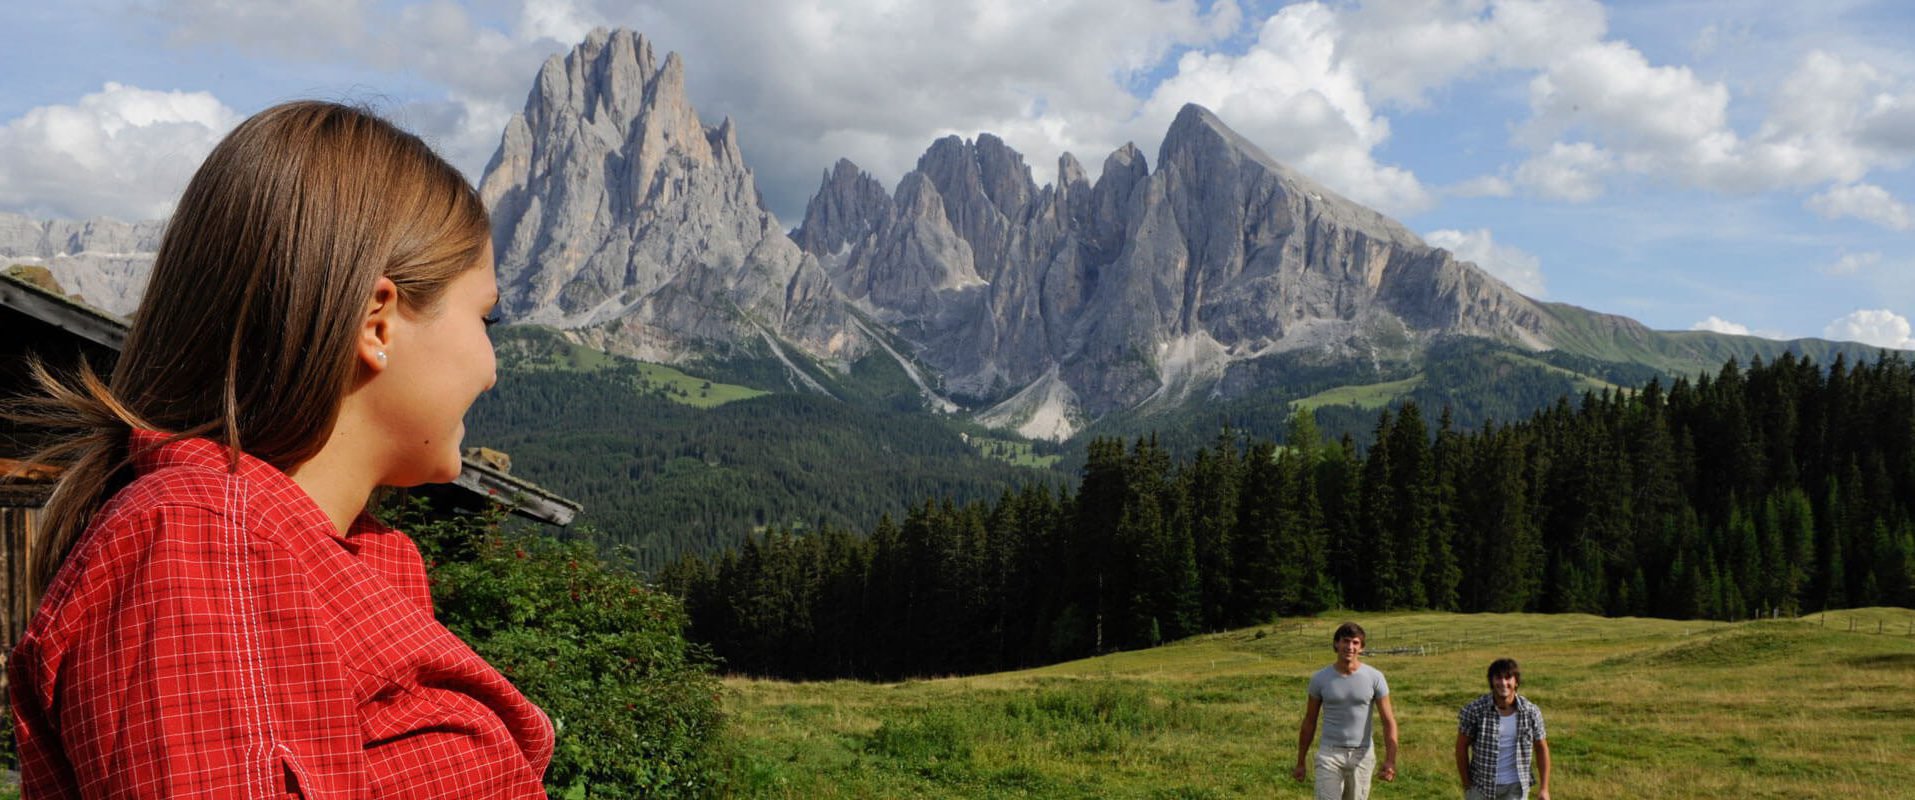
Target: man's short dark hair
{"x": 1505, "y": 666}
{"x": 1349, "y": 630}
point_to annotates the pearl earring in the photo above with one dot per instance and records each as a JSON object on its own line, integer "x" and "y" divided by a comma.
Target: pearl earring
{"x": 381, "y": 356}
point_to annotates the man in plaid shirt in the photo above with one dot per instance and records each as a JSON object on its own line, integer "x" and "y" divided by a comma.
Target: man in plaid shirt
{"x": 1495, "y": 735}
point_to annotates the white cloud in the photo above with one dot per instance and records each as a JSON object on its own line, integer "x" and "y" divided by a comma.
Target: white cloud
{"x": 1293, "y": 96}
{"x": 1406, "y": 48}
{"x": 1611, "y": 88}
{"x": 1573, "y": 172}
{"x": 1829, "y": 120}
{"x": 1521, "y": 270}
{"x": 555, "y": 20}
{"x": 122, "y": 152}
{"x": 1717, "y": 324}
{"x": 1481, "y": 186}
{"x": 1878, "y": 327}
{"x": 1864, "y": 202}
{"x": 1851, "y": 263}
{"x": 484, "y": 72}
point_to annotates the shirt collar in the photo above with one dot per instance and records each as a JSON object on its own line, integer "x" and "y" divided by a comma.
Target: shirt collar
{"x": 152, "y": 451}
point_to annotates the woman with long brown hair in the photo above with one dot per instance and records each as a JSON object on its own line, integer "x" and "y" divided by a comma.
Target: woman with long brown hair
{"x": 221, "y": 617}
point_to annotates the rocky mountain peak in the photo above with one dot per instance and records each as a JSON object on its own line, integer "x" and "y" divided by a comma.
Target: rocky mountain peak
{"x": 1199, "y": 144}
{"x": 849, "y": 205}
{"x": 618, "y": 214}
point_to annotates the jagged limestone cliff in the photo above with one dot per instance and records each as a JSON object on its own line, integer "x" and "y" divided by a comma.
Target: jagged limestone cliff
{"x": 1145, "y": 287}
{"x": 618, "y": 214}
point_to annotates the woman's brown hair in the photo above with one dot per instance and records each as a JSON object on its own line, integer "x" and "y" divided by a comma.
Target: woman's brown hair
{"x": 245, "y": 333}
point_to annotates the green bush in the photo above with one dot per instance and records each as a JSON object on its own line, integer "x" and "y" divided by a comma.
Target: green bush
{"x": 635, "y": 706}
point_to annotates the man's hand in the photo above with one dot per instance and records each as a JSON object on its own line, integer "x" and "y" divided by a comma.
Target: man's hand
{"x": 1298, "y": 773}
{"x": 1542, "y": 794}
{"x": 1389, "y": 771}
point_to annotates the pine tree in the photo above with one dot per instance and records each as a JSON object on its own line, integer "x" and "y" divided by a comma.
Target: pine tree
{"x": 1375, "y": 578}
{"x": 1410, "y": 531}
{"x": 1258, "y": 586}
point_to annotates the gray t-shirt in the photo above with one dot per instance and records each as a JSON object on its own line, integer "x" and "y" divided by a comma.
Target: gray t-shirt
{"x": 1346, "y": 703}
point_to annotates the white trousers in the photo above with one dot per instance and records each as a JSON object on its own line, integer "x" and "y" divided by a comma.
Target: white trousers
{"x": 1343, "y": 773}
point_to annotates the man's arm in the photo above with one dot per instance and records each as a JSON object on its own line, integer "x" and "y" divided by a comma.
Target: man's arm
{"x": 1542, "y": 769}
{"x": 1462, "y": 757}
{"x": 1388, "y": 714}
{"x": 1305, "y": 734}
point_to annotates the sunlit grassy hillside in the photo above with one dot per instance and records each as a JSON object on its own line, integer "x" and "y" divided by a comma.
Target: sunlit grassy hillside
{"x": 1635, "y": 707}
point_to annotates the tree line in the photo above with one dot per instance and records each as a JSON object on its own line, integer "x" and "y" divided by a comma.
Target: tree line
{"x": 1783, "y": 488}
{"x": 664, "y": 479}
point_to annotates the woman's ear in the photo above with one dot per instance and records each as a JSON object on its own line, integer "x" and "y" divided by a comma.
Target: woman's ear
{"x": 375, "y": 330}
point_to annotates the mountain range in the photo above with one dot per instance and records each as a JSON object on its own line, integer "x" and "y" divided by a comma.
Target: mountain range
{"x": 622, "y": 219}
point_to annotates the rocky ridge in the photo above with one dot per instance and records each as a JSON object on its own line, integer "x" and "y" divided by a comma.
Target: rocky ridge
{"x": 101, "y": 262}
{"x": 1061, "y": 303}
{"x": 617, "y": 214}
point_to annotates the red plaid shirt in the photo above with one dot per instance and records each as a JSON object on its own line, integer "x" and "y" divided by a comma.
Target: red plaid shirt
{"x": 213, "y": 635}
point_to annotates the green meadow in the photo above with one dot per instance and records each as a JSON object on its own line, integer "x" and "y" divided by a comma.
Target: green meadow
{"x": 1013, "y": 452}
{"x": 1367, "y": 396}
{"x": 1822, "y": 706}
{"x": 540, "y": 350}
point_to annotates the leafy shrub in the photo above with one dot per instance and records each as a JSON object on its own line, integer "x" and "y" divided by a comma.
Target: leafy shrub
{"x": 635, "y": 706}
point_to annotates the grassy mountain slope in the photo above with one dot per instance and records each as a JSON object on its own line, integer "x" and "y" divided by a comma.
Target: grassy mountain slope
{"x": 689, "y": 459}
{"x": 1606, "y": 337}
{"x": 1634, "y": 707}
{"x": 664, "y": 467}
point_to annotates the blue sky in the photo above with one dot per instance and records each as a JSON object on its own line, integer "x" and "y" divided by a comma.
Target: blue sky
{"x": 1741, "y": 166}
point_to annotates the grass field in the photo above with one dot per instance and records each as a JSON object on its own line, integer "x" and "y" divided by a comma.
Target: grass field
{"x": 1367, "y": 396}
{"x": 1015, "y": 453}
{"x": 542, "y": 350}
{"x": 1635, "y": 708}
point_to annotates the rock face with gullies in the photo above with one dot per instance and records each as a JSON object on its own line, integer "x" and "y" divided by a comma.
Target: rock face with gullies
{"x": 618, "y": 214}
{"x": 848, "y": 207}
{"x": 101, "y": 262}
{"x": 1147, "y": 286}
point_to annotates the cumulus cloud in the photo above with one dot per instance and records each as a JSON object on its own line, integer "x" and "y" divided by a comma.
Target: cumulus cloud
{"x": 1830, "y": 120}
{"x": 1851, "y": 263}
{"x": 1407, "y": 48}
{"x": 1291, "y": 94}
{"x": 1879, "y": 327}
{"x": 1521, "y": 270}
{"x": 484, "y": 71}
{"x": 1717, "y": 324}
{"x": 122, "y": 152}
{"x": 1573, "y": 172}
{"x": 554, "y": 20}
{"x": 1864, "y": 202}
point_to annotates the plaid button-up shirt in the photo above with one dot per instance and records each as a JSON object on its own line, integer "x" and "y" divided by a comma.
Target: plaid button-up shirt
{"x": 212, "y": 635}
{"x": 1479, "y": 721}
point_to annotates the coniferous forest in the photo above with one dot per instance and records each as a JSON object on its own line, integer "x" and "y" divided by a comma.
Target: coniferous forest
{"x": 1782, "y": 488}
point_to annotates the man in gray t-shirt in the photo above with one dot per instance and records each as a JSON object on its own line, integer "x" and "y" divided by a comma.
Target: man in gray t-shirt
{"x": 1341, "y": 695}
